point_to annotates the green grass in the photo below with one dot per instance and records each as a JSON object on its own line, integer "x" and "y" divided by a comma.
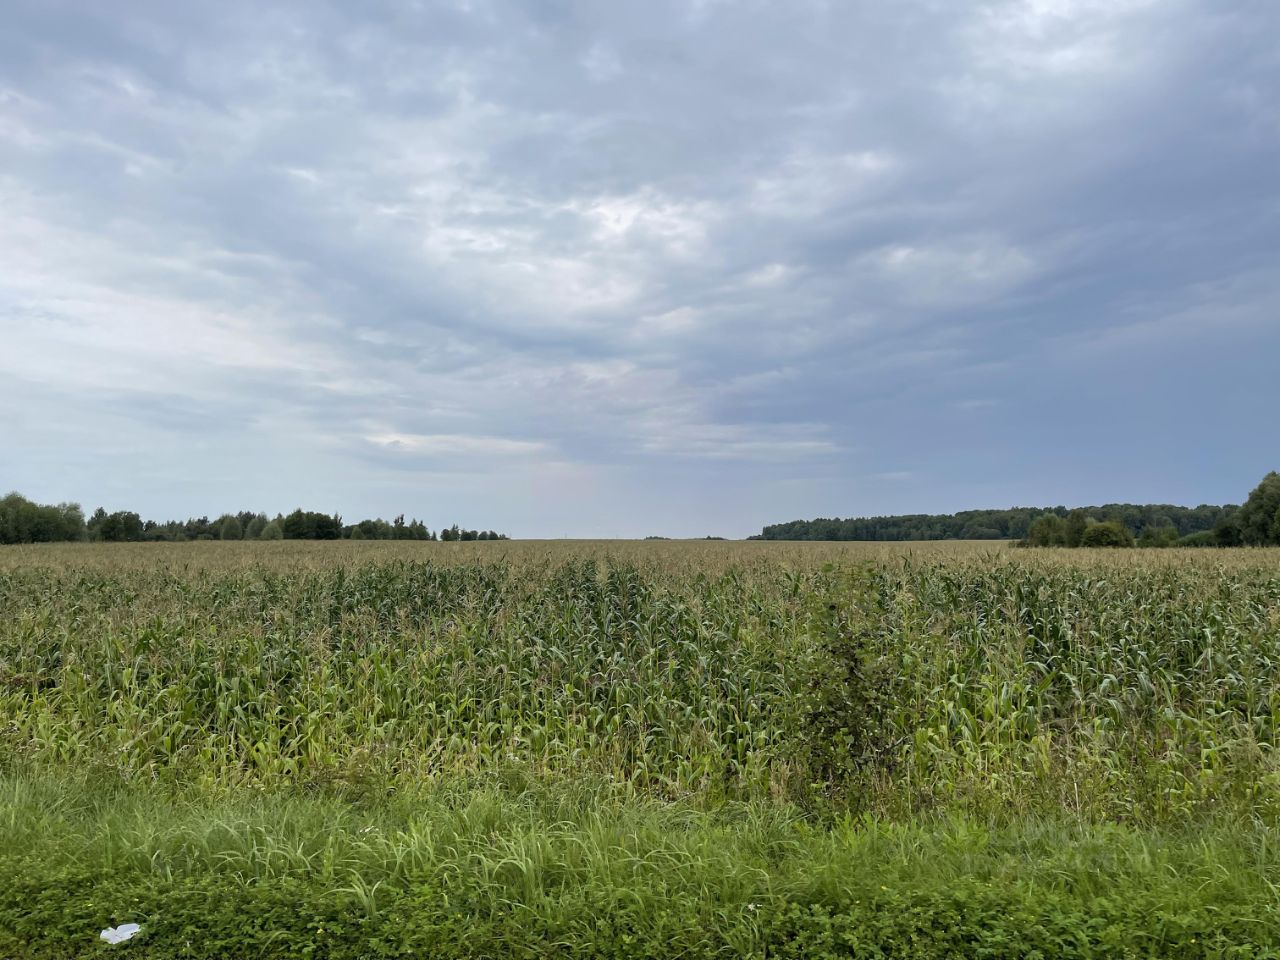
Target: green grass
{"x": 480, "y": 869}
{"x": 650, "y": 750}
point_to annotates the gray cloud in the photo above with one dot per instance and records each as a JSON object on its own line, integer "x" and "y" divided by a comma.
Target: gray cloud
{"x": 580, "y": 268}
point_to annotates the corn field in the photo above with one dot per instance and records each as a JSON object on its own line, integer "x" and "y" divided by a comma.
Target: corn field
{"x": 1133, "y": 686}
{"x": 695, "y": 750}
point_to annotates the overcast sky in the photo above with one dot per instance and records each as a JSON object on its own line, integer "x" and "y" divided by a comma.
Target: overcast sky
{"x": 616, "y": 269}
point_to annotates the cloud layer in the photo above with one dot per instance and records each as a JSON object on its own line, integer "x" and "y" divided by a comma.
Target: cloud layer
{"x": 564, "y": 268}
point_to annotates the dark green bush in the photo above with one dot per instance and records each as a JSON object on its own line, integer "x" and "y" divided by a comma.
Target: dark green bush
{"x": 1109, "y": 534}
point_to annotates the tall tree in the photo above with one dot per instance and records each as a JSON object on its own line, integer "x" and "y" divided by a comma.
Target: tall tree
{"x": 1257, "y": 516}
{"x": 308, "y": 525}
{"x": 118, "y": 527}
{"x": 1077, "y": 523}
{"x": 23, "y": 521}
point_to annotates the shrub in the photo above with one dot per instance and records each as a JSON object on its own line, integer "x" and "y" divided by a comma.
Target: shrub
{"x": 1158, "y": 537}
{"x": 1109, "y": 534}
{"x": 1048, "y": 531}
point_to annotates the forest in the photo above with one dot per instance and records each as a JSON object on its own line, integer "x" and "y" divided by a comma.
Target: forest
{"x": 24, "y": 521}
{"x": 1256, "y": 523}
{"x": 1014, "y": 523}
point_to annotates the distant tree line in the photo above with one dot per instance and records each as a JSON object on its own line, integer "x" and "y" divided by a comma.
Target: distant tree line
{"x": 1256, "y": 523}
{"x": 23, "y": 521}
{"x": 1012, "y": 524}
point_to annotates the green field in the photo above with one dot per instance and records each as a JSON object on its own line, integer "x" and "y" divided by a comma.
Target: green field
{"x": 520, "y": 749}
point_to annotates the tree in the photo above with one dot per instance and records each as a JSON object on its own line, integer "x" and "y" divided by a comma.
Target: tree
{"x": 308, "y": 525}
{"x": 374, "y": 529}
{"x": 1227, "y": 532}
{"x": 199, "y": 528}
{"x": 1048, "y": 531}
{"x": 123, "y": 525}
{"x": 1074, "y": 530}
{"x": 1113, "y": 533}
{"x": 96, "y": 520}
{"x": 1014, "y": 523}
{"x": 1257, "y": 516}
{"x": 22, "y": 521}
{"x": 1161, "y": 536}
{"x": 976, "y": 531}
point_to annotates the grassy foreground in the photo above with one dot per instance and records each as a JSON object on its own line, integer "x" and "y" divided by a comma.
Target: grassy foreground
{"x": 499, "y": 869}
{"x": 674, "y": 750}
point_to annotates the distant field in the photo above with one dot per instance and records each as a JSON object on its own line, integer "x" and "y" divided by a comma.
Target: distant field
{"x": 648, "y": 749}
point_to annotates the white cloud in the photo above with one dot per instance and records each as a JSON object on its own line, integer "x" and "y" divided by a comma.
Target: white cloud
{"x": 677, "y": 321}
{"x": 786, "y": 442}
{"x": 1059, "y": 37}
{"x": 770, "y": 275}
{"x": 452, "y": 444}
{"x": 601, "y": 63}
{"x": 806, "y": 183}
{"x": 96, "y": 310}
{"x": 965, "y": 270}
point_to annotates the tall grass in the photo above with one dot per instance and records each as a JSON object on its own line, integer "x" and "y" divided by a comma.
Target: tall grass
{"x": 473, "y": 869}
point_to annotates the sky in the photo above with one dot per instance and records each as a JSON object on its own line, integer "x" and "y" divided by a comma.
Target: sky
{"x": 610, "y": 269}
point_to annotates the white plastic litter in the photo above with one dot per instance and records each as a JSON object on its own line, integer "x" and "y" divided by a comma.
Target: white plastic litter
{"x": 121, "y": 933}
